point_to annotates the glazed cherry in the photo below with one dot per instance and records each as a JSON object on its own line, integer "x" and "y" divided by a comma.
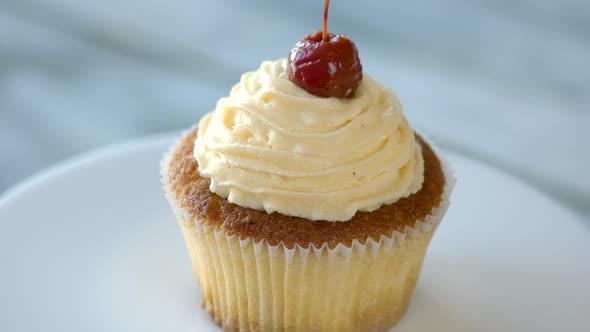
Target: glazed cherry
{"x": 326, "y": 68}
{"x": 326, "y": 64}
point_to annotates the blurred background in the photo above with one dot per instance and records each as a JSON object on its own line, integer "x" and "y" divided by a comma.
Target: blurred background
{"x": 503, "y": 82}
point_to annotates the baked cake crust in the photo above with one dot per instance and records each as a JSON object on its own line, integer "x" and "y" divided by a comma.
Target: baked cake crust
{"x": 192, "y": 193}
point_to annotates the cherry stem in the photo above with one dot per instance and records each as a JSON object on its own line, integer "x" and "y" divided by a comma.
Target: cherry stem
{"x": 325, "y": 31}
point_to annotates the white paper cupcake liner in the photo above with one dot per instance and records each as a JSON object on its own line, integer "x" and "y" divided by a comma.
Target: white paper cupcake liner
{"x": 254, "y": 286}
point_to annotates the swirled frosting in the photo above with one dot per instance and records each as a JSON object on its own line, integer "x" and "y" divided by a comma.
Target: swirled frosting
{"x": 272, "y": 146}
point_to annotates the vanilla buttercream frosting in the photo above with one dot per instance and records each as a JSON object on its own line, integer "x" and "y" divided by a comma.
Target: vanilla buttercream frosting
{"x": 272, "y": 146}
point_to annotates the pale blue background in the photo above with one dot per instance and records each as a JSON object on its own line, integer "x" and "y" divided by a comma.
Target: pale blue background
{"x": 506, "y": 82}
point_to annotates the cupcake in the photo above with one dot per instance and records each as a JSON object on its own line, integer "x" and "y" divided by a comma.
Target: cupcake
{"x": 306, "y": 208}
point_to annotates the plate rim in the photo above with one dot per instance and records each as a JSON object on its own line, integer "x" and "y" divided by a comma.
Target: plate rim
{"x": 112, "y": 149}
{"x": 63, "y": 166}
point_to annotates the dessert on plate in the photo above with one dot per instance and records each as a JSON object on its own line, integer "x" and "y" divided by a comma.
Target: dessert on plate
{"x": 306, "y": 199}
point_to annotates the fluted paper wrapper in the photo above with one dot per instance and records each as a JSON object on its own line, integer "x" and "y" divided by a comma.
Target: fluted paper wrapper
{"x": 254, "y": 286}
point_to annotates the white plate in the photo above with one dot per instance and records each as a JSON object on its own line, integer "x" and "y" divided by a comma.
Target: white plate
{"x": 92, "y": 245}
